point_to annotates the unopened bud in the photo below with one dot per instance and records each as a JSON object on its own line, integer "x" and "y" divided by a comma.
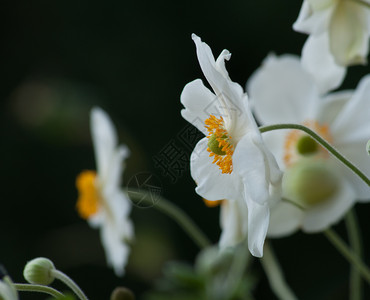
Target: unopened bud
{"x": 39, "y": 271}
{"x": 122, "y": 293}
{"x": 310, "y": 182}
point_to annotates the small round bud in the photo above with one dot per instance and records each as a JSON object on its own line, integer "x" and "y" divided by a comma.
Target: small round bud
{"x": 39, "y": 271}
{"x": 310, "y": 182}
{"x": 122, "y": 293}
{"x": 307, "y": 145}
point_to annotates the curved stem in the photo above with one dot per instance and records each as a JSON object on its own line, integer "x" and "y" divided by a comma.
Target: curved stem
{"x": 322, "y": 142}
{"x": 354, "y": 237}
{"x": 70, "y": 283}
{"x": 38, "y": 288}
{"x": 275, "y": 275}
{"x": 348, "y": 253}
{"x": 174, "y": 212}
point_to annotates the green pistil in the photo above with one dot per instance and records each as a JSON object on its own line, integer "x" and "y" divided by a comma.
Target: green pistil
{"x": 214, "y": 145}
{"x": 307, "y": 145}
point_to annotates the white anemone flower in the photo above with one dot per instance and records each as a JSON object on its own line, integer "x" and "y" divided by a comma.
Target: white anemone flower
{"x": 339, "y": 36}
{"x": 321, "y": 188}
{"x": 101, "y": 201}
{"x": 231, "y": 162}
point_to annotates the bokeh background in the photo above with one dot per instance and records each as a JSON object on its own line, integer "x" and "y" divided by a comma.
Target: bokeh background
{"x": 132, "y": 58}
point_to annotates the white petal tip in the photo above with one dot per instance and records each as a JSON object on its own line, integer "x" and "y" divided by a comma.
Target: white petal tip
{"x": 195, "y": 37}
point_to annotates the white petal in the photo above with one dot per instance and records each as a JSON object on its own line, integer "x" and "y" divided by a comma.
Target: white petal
{"x": 115, "y": 169}
{"x": 198, "y": 101}
{"x": 331, "y": 106}
{"x": 212, "y": 184}
{"x": 274, "y": 141}
{"x": 319, "y": 62}
{"x": 229, "y": 93}
{"x": 250, "y": 163}
{"x": 116, "y": 250}
{"x": 234, "y": 222}
{"x": 322, "y": 216}
{"x": 258, "y": 222}
{"x": 284, "y": 220}
{"x": 104, "y": 139}
{"x": 313, "y": 19}
{"x": 348, "y": 34}
{"x": 281, "y": 91}
{"x": 353, "y": 123}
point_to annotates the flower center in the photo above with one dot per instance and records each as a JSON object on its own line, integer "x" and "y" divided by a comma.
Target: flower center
{"x": 88, "y": 194}
{"x": 220, "y": 146}
{"x": 298, "y": 144}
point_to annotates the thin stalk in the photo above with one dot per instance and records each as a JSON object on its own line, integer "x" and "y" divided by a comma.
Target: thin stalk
{"x": 354, "y": 237}
{"x": 38, "y": 288}
{"x": 70, "y": 283}
{"x": 173, "y": 212}
{"x": 322, "y": 142}
{"x": 348, "y": 253}
{"x": 275, "y": 275}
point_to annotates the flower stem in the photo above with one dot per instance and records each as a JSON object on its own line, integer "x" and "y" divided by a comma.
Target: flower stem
{"x": 275, "y": 275}
{"x": 354, "y": 237}
{"x": 348, "y": 253}
{"x": 38, "y": 288}
{"x": 70, "y": 283}
{"x": 322, "y": 142}
{"x": 174, "y": 212}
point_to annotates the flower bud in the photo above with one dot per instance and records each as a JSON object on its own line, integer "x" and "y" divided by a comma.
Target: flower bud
{"x": 39, "y": 271}
{"x": 122, "y": 293}
{"x": 310, "y": 182}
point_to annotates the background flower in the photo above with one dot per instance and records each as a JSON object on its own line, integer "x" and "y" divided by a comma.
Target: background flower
{"x": 339, "y": 117}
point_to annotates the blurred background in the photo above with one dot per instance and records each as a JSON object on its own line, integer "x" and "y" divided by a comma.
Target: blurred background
{"x": 132, "y": 58}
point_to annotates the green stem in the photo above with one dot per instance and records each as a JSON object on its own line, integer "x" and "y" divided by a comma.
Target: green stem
{"x": 354, "y": 237}
{"x": 38, "y": 288}
{"x": 70, "y": 283}
{"x": 174, "y": 212}
{"x": 348, "y": 253}
{"x": 275, "y": 275}
{"x": 322, "y": 142}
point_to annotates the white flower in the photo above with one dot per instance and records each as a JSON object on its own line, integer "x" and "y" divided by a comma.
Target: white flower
{"x": 313, "y": 178}
{"x": 339, "y": 31}
{"x": 231, "y": 162}
{"x": 101, "y": 201}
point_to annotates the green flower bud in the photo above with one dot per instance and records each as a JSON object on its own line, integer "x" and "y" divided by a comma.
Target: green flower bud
{"x": 310, "y": 182}
{"x": 307, "y": 145}
{"x": 39, "y": 271}
{"x": 214, "y": 145}
{"x": 122, "y": 293}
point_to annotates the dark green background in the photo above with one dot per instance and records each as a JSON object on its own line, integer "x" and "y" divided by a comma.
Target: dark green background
{"x": 60, "y": 58}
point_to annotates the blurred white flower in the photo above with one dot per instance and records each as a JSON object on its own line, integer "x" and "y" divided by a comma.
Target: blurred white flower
{"x": 231, "y": 162}
{"x": 339, "y": 36}
{"x": 101, "y": 201}
{"x": 322, "y": 187}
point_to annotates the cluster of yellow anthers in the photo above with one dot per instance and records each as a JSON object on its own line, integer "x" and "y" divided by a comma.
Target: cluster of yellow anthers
{"x": 89, "y": 198}
{"x": 220, "y": 146}
{"x": 298, "y": 143}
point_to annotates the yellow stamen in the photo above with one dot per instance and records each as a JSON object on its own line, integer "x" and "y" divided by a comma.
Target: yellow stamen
{"x": 294, "y": 139}
{"x": 210, "y": 203}
{"x": 88, "y": 195}
{"x": 216, "y": 131}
